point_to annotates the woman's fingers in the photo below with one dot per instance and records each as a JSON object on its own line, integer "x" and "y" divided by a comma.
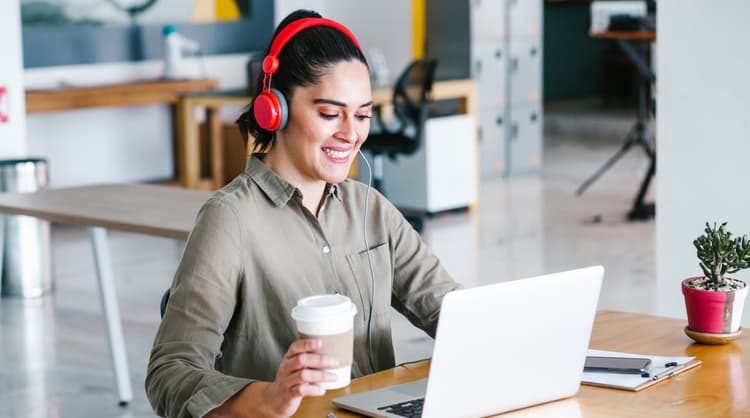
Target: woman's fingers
{"x": 305, "y": 368}
{"x": 303, "y": 376}
{"x": 312, "y": 361}
{"x": 301, "y": 356}
{"x": 303, "y": 346}
{"x": 302, "y": 368}
{"x": 307, "y": 389}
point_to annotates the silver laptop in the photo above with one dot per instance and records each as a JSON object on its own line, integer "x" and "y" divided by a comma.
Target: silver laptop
{"x": 498, "y": 348}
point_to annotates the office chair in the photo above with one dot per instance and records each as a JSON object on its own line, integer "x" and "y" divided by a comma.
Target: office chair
{"x": 164, "y": 301}
{"x": 411, "y": 99}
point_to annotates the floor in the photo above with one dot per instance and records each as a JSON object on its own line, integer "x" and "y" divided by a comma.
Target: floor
{"x": 54, "y": 358}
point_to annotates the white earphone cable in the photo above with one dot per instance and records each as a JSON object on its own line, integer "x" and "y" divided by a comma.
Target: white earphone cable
{"x": 369, "y": 262}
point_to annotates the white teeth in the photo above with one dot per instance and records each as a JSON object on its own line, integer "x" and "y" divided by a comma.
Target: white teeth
{"x": 336, "y": 154}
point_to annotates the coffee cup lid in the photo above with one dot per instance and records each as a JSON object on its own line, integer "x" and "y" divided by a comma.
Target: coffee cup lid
{"x": 322, "y": 307}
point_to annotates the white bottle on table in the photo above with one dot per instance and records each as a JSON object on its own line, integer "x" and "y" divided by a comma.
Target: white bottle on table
{"x": 175, "y": 46}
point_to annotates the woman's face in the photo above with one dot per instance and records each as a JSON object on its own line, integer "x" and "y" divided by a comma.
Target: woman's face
{"x": 328, "y": 123}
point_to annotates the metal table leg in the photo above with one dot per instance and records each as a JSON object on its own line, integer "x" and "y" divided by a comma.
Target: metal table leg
{"x": 111, "y": 313}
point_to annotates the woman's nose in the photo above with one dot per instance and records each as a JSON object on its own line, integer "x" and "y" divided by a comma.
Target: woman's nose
{"x": 347, "y": 130}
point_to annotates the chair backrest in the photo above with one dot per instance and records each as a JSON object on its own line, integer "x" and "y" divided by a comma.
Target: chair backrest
{"x": 411, "y": 93}
{"x": 163, "y": 303}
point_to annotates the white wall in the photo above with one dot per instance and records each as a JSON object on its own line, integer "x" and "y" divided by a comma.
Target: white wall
{"x": 383, "y": 24}
{"x": 13, "y": 104}
{"x": 703, "y": 134}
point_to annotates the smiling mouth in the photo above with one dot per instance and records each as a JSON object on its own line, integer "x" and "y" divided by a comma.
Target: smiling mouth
{"x": 337, "y": 154}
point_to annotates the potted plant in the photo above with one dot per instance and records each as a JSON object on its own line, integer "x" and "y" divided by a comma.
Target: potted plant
{"x": 714, "y": 301}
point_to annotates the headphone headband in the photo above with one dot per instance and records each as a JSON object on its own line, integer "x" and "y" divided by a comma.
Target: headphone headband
{"x": 271, "y": 61}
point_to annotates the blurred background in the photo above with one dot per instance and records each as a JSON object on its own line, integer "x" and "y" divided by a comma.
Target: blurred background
{"x": 560, "y": 134}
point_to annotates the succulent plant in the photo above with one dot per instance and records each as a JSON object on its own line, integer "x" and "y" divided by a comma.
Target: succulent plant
{"x": 720, "y": 255}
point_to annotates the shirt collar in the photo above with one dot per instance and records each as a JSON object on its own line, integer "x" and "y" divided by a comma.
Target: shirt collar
{"x": 276, "y": 188}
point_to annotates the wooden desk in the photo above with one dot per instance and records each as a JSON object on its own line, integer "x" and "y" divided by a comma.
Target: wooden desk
{"x": 152, "y": 210}
{"x": 137, "y": 93}
{"x": 720, "y": 387}
{"x": 642, "y": 35}
{"x": 188, "y": 144}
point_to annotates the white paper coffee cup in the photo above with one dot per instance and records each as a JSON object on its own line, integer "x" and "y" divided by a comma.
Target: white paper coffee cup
{"x": 329, "y": 318}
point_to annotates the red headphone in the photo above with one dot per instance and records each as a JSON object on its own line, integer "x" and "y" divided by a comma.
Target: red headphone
{"x": 270, "y": 107}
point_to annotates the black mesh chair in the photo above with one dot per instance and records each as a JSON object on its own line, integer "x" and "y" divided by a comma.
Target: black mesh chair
{"x": 411, "y": 99}
{"x": 164, "y": 301}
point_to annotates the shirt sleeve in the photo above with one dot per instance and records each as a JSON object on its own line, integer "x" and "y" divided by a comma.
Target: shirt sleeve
{"x": 181, "y": 380}
{"x": 419, "y": 280}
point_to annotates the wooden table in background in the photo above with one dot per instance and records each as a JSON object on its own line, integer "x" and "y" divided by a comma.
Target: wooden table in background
{"x": 188, "y": 139}
{"x": 720, "y": 387}
{"x": 137, "y": 93}
{"x": 152, "y": 210}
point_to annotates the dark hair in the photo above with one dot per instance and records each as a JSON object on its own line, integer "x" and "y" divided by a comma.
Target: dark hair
{"x": 302, "y": 61}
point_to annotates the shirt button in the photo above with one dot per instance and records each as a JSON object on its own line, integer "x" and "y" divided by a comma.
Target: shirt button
{"x": 326, "y": 249}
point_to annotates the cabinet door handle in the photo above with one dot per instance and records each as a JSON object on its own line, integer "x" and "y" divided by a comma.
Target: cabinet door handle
{"x": 533, "y": 51}
{"x": 499, "y": 120}
{"x": 533, "y": 117}
{"x": 498, "y": 53}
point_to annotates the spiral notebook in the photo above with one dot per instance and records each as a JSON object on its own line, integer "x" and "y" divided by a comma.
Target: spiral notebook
{"x": 662, "y": 369}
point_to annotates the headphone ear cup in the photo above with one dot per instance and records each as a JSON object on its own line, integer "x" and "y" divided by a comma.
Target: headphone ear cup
{"x": 283, "y": 108}
{"x": 271, "y": 110}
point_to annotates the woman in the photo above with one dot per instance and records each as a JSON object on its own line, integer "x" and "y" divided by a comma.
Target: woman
{"x": 292, "y": 225}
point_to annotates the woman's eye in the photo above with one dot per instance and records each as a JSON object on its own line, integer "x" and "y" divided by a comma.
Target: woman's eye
{"x": 328, "y": 115}
{"x": 363, "y": 117}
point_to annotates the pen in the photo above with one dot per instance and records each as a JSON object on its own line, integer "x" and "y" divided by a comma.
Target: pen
{"x": 669, "y": 371}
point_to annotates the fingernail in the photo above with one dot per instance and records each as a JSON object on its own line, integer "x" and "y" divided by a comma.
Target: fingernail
{"x": 321, "y": 390}
{"x": 318, "y": 343}
{"x": 333, "y": 362}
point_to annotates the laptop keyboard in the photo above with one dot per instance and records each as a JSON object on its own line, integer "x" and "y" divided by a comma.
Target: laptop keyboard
{"x": 411, "y": 409}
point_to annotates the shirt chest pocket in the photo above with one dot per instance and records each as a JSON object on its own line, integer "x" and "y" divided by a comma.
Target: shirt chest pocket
{"x": 382, "y": 271}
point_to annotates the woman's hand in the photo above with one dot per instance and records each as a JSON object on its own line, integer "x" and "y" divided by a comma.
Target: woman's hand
{"x": 296, "y": 378}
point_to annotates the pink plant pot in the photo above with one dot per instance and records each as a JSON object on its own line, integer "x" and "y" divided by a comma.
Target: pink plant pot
{"x": 713, "y": 312}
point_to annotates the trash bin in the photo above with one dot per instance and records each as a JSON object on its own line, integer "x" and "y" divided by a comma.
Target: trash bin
{"x": 25, "y": 254}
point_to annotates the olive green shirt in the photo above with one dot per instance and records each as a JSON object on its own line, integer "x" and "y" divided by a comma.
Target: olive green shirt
{"x": 253, "y": 252}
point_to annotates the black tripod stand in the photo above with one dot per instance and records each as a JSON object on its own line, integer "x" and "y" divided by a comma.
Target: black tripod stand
{"x": 638, "y": 135}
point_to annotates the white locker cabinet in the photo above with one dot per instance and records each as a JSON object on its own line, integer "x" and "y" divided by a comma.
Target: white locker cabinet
{"x": 503, "y": 53}
{"x": 442, "y": 174}
{"x": 488, "y": 70}
{"x": 526, "y": 139}
{"x": 525, "y": 72}
{"x": 492, "y": 142}
{"x": 525, "y": 18}
{"x": 487, "y": 20}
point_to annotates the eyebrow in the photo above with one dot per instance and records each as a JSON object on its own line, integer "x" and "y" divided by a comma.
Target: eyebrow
{"x": 337, "y": 103}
